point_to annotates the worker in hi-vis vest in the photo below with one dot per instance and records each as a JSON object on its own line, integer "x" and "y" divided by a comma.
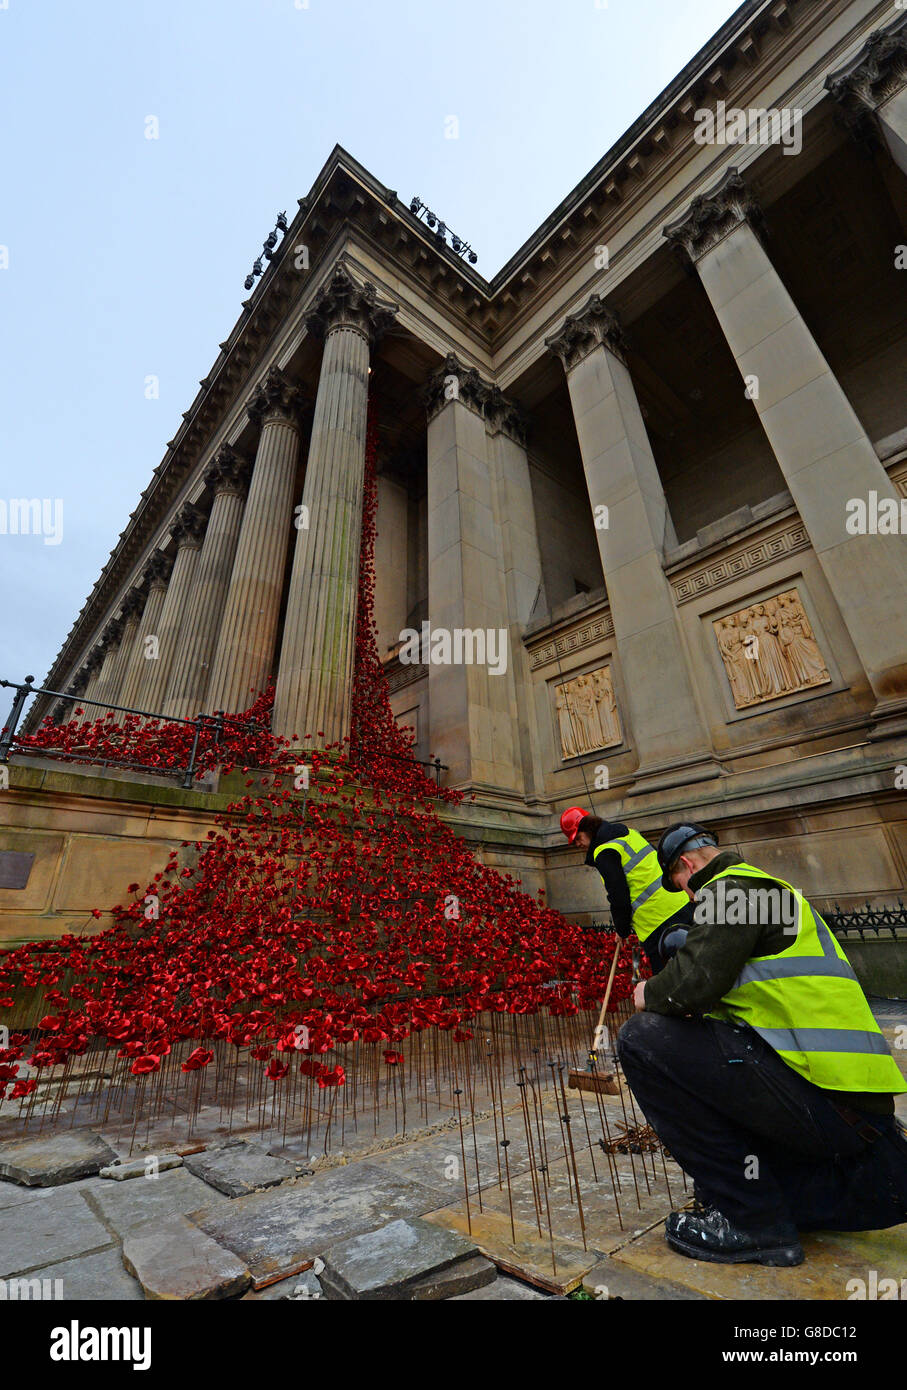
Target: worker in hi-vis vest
{"x": 757, "y": 1060}
{"x": 629, "y": 868}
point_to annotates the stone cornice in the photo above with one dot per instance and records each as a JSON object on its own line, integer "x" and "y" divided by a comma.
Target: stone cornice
{"x": 595, "y": 325}
{"x": 876, "y": 73}
{"x": 564, "y": 636}
{"x": 343, "y": 303}
{"x": 713, "y": 216}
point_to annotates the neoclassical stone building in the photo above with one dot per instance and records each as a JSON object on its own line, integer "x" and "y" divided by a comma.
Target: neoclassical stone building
{"x": 635, "y": 452}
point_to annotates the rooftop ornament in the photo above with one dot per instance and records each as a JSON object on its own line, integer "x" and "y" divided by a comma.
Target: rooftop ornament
{"x": 441, "y": 230}
{"x": 268, "y": 246}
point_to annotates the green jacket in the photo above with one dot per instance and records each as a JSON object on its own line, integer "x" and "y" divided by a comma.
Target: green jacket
{"x": 707, "y": 965}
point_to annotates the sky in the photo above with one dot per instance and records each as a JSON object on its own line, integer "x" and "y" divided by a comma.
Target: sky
{"x": 122, "y": 257}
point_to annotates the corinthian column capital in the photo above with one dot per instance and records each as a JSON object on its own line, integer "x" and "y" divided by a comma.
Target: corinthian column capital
{"x": 343, "y": 303}
{"x": 274, "y": 398}
{"x": 713, "y": 216}
{"x": 455, "y": 382}
{"x": 505, "y": 416}
{"x": 111, "y": 634}
{"x": 227, "y": 472}
{"x": 596, "y": 325}
{"x": 133, "y": 603}
{"x": 157, "y": 570}
{"x": 873, "y": 75}
{"x": 189, "y": 526}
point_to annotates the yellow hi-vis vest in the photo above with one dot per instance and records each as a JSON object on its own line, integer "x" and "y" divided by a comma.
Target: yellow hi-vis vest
{"x": 649, "y": 902}
{"x": 806, "y": 1002}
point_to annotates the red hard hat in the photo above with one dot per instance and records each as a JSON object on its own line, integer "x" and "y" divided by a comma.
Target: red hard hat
{"x": 570, "y": 821}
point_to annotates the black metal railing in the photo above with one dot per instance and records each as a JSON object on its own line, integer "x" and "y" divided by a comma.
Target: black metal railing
{"x": 216, "y": 723}
{"x": 435, "y": 764}
{"x": 868, "y": 919}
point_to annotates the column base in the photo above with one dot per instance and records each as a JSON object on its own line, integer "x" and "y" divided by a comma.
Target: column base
{"x": 889, "y": 719}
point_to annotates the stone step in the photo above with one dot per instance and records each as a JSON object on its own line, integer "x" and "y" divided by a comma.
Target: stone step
{"x": 51, "y": 1159}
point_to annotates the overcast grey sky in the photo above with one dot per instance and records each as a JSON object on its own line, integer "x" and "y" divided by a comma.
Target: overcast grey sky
{"x": 126, "y": 256}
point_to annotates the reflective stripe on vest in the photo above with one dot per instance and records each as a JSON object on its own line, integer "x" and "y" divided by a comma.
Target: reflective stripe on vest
{"x": 650, "y": 903}
{"x": 835, "y": 1043}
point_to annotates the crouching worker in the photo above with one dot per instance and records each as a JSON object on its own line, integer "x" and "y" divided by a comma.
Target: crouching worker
{"x": 756, "y": 1059}
{"x": 637, "y": 898}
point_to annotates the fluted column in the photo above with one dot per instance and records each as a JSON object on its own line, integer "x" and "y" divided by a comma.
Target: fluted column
{"x": 670, "y": 735}
{"x": 822, "y": 448}
{"x": 314, "y": 679}
{"x": 245, "y": 643}
{"x": 155, "y": 576}
{"x": 188, "y": 680}
{"x": 129, "y": 616}
{"x": 872, "y": 90}
{"x": 93, "y": 667}
{"x": 110, "y": 643}
{"x": 187, "y": 531}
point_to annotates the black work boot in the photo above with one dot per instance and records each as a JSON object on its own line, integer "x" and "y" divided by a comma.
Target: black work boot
{"x": 704, "y": 1234}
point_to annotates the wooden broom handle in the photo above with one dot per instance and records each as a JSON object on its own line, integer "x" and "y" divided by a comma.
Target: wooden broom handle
{"x": 601, "y": 1017}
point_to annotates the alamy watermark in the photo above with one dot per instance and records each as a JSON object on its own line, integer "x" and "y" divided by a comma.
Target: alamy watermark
{"x": 32, "y": 516}
{"x": 757, "y": 125}
{"x": 459, "y": 646}
{"x": 731, "y": 906}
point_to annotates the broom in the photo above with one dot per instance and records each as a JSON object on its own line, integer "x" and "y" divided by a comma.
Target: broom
{"x": 604, "y": 1083}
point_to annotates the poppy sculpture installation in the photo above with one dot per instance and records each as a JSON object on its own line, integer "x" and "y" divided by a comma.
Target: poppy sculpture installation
{"x": 334, "y": 957}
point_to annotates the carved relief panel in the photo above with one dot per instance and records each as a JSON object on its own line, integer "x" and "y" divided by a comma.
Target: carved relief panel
{"x": 769, "y": 650}
{"x": 587, "y": 715}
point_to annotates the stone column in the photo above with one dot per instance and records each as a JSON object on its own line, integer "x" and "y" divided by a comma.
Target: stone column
{"x": 245, "y": 643}
{"x": 519, "y": 542}
{"x": 187, "y": 531}
{"x": 668, "y": 730}
{"x": 93, "y": 670}
{"x": 471, "y": 709}
{"x": 154, "y": 576}
{"x": 826, "y": 457}
{"x": 130, "y": 612}
{"x": 872, "y": 90}
{"x": 314, "y": 679}
{"x": 195, "y": 646}
{"x": 110, "y": 645}
{"x": 76, "y": 692}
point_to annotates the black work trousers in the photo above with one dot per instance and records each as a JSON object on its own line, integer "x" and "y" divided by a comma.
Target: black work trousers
{"x": 761, "y": 1142}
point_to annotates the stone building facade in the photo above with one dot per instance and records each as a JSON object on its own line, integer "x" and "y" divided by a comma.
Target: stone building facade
{"x": 632, "y": 456}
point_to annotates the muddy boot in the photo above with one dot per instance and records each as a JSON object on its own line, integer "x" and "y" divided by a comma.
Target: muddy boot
{"x": 705, "y": 1234}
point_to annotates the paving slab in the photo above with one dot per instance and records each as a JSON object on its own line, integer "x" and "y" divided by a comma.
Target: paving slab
{"x": 34, "y": 1234}
{"x": 122, "y": 1205}
{"x": 240, "y": 1167}
{"x": 48, "y": 1160}
{"x": 280, "y": 1230}
{"x": 833, "y": 1260}
{"x": 98, "y": 1278}
{"x": 476, "y": 1273}
{"x": 503, "y": 1290}
{"x": 557, "y": 1267}
{"x": 173, "y": 1260}
{"x": 379, "y": 1264}
{"x": 614, "y": 1280}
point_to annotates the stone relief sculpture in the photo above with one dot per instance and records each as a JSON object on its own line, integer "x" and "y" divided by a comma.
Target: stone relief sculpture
{"x": 769, "y": 650}
{"x": 587, "y": 716}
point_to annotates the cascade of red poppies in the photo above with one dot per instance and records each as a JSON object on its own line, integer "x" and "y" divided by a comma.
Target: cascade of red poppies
{"x": 312, "y": 917}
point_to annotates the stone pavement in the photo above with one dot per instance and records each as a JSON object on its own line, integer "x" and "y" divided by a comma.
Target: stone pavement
{"x": 254, "y": 1217}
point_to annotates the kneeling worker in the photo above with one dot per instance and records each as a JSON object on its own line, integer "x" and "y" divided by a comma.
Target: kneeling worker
{"x": 757, "y": 1061}
{"x": 628, "y": 865}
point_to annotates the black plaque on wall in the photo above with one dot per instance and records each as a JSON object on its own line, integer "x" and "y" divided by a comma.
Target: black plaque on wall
{"x": 15, "y": 868}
